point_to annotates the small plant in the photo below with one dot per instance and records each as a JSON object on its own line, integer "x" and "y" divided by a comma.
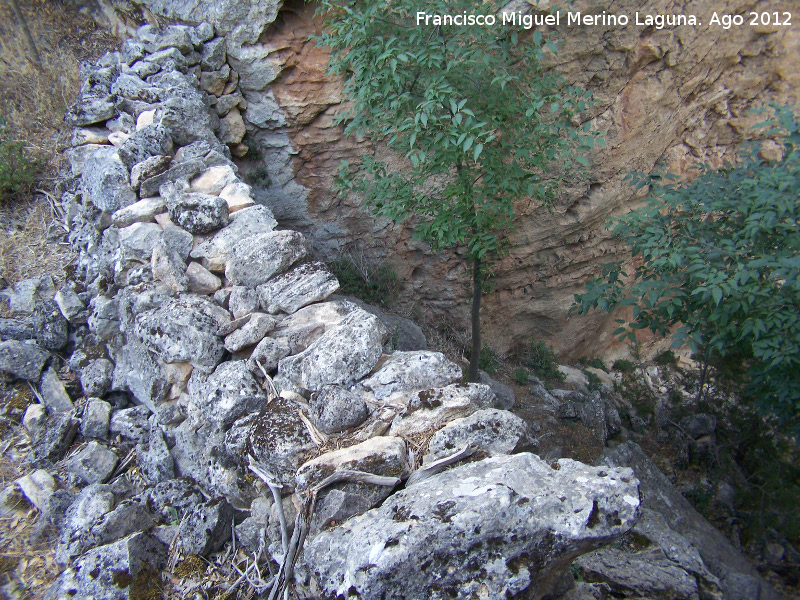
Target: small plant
{"x": 487, "y": 361}
{"x": 19, "y": 169}
{"x": 624, "y": 366}
{"x": 595, "y": 384}
{"x": 521, "y": 376}
{"x": 259, "y": 176}
{"x": 374, "y": 285}
{"x": 597, "y": 364}
{"x": 665, "y": 358}
{"x": 543, "y": 361}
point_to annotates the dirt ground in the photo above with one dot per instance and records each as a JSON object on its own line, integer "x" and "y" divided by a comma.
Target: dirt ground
{"x": 32, "y": 106}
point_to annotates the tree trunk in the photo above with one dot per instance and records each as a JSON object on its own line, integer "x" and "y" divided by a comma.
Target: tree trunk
{"x": 476, "y": 321}
{"x": 26, "y": 33}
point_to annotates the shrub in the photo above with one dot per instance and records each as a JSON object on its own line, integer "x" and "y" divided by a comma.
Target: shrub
{"x": 19, "y": 168}
{"x": 374, "y": 285}
{"x": 488, "y": 360}
{"x": 718, "y": 268}
{"x": 543, "y": 361}
{"x": 624, "y": 366}
{"x": 521, "y": 376}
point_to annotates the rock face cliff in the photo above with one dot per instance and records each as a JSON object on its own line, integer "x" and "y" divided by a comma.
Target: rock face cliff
{"x": 675, "y": 96}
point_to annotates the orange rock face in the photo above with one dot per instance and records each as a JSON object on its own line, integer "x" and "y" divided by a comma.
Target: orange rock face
{"x": 676, "y": 96}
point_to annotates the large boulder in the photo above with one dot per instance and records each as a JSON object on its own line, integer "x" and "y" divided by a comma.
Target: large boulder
{"x": 675, "y": 528}
{"x": 495, "y": 528}
{"x": 342, "y": 355}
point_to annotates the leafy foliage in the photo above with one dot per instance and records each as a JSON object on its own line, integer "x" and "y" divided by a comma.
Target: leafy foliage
{"x": 719, "y": 267}
{"x": 521, "y": 376}
{"x": 543, "y": 361}
{"x": 19, "y": 169}
{"x": 479, "y": 122}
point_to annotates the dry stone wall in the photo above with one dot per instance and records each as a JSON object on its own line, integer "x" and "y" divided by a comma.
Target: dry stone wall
{"x": 224, "y": 392}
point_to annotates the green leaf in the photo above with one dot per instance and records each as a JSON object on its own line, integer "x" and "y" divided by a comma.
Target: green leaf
{"x": 477, "y": 151}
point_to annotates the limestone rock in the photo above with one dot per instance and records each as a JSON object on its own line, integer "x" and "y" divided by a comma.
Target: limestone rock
{"x": 232, "y": 128}
{"x": 142, "y": 211}
{"x": 148, "y": 168}
{"x": 213, "y": 180}
{"x": 242, "y": 301}
{"x": 144, "y": 143}
{"x": 168, "y": 267}
{"x": 504, "y": 395}
{"x": 245, "y": 224}
{"x": 201, "y": 280}
{"x": 184, "y": 330}
{"x": 105, "y": 180}
{"x": 89, "y": 110}
{"x": 279, "y": 439}
{"x": 181, "y": 170}
{"x": 299, "y": 330}
{"x": 51, "y": 329}
{"x": 257, "y": 258}
{"x": 207, "y": 527}
{"x": 669, "y": 517}
{"x": 238, "y": 196}
{"x": 95, "y": 419}
{"x": 230, "y": 392}
{"x": 198, "y": 213}
{"x": 37, "y": 487}
{"x": 308, "y": 283}
{"x": 406, "y": 372}
{"x": 53, "y": 393}
{"x": 124, "y": 570}
{"x": 142, "y": 374}
{"x": 250, "y": 333}
{"x": 96, "y": 377}
{"x": 213, "y": 54}
{"x": 429, "y": 409}
{"x": 131, "y": 423}
{"x": 155, "y": 460}
{"x": 54, "y": 438}
{"x": 94, "y": 464}
{"x": 267, "y": 353}
{"x": 336, "y": 409}
{"x": 69, "y": 303}
{"x": 340, "y": 356}
{"x": 493, "y": 431}
{"x": 138, "y": 240}
{"x": 489, "y": 517}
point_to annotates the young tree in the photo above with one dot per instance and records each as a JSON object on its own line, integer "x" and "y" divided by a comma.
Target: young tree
{"x": 720, "y": 268}
{"x": 480, "y": 122}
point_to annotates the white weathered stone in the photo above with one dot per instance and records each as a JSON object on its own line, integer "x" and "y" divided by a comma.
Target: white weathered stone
{"x": 340, "y": 356}
{"x": 472, "y": 531}
{"x": 430, "y": 409}
{"x": 245, "y": 224}
{"x": 250, "y": 333}
{"x": 237, "y": 195}
{"x": 308, "y": 283}
{"x": 142, "y": 211}
{"x": 213, "y": 180}
{"x": 37, "y": 487}
{"x": 201, "y": 280}
{"x": 406, "y": 372}
{"x": 259, "y": 257}
{"x": 145, "y": 118}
